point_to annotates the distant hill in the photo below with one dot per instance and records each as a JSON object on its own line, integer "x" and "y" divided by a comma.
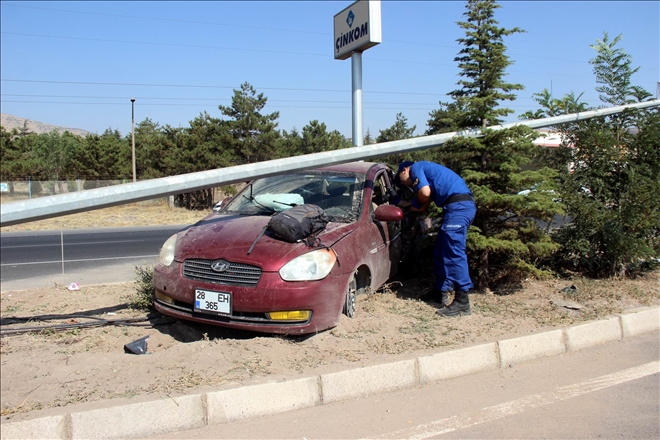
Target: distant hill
{"x": 10, "y": 122}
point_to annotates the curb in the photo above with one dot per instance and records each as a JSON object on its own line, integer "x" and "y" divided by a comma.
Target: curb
{"x": 198, "y": 410}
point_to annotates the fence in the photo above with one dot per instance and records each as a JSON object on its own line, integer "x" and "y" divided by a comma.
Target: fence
{"x": 15, "y": 191}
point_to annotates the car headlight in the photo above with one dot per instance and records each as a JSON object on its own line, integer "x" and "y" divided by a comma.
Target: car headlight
{"x": 167, "y": 251}
{"x": 312, "y": 266}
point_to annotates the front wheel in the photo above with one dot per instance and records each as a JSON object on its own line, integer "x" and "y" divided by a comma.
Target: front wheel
{"x": 351, "y": 293}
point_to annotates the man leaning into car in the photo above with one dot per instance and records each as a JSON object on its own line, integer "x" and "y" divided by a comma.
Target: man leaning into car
{"x": 434, "y": 182}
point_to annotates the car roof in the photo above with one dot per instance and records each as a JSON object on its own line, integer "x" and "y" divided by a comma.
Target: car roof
{"x": 351, "y": 167}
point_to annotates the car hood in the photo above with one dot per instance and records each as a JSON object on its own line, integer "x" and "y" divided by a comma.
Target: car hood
{"x": 231, "y": 236}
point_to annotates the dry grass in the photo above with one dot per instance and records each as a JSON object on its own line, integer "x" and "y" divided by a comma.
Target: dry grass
{"x": 147, "y": 213}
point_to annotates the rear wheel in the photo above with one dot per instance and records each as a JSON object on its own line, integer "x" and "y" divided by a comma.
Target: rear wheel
{"x": 351, "y": 293}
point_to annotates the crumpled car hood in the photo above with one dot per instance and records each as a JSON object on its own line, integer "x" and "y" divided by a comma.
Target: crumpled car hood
{"x": 231, "y": 236}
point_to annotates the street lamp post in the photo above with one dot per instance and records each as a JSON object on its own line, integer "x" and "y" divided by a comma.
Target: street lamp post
{"x": 133, "y": 133}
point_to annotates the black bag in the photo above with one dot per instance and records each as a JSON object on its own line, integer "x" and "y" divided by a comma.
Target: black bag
{"x": 298, "y": 223}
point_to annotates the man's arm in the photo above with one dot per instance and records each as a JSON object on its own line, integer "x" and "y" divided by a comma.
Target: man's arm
{"x": 423, "y": 199}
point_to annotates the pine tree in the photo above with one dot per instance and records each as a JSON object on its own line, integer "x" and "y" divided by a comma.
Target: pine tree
{"x": 252, "y": 136}
{"x": 316, "y": 138}
{"x": 368, "y": 140}
{"x": 483, "y": 64}
{"x": 506, "y": 239}
{"x": 399, "y": 130}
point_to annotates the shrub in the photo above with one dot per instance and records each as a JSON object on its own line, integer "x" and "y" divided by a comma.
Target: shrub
{"x": 143, "y": 298}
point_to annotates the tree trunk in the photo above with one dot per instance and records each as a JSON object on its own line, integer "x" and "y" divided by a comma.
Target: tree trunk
{"x": 483, "y": 273}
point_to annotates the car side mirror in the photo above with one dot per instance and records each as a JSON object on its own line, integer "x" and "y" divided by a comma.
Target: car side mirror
{"x": 388, "y": 213}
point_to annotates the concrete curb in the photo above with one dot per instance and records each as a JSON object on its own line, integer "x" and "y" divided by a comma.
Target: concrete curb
{"x": 194, "y": 411}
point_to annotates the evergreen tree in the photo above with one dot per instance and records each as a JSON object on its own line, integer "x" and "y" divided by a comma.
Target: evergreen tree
{"x": 250, "y": 134}
{"x": 206, "y": 144}
{"x": 290, "y": 143}
{"x": 398, "y": 131}
{"x": 450, "y": 117}
{"x": 104, "y": 157}
{"x": 483, "y": 64}
{"x": 149, "y": 151}
{"x": 316, "y": 138}
{"x": 506, "y": 241}
{"x": 613, "y": 190}
{"x": 368, "y": 140}
{"x": 9, "y": 159}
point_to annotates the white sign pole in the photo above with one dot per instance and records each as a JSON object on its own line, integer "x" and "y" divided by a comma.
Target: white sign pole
{"x": 356, "y": 72}
{"x": 357, "y": 28}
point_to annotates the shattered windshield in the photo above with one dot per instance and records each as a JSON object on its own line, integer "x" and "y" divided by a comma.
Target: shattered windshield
{"x": 340, "y": 195}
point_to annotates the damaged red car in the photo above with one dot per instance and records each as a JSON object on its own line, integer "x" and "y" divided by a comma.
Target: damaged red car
{"x": 222, "y": 271}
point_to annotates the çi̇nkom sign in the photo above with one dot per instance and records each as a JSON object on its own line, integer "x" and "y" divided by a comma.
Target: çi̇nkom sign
{"x": 357, "y": 28}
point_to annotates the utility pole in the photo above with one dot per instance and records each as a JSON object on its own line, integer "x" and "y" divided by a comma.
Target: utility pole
{"x": 133, "y": 133}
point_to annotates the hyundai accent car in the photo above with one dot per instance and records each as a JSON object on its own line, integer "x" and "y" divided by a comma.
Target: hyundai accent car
{"x": 230, "y": 270}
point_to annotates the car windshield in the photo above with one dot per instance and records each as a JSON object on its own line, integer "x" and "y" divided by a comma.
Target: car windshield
{"x": 340, "y": 195}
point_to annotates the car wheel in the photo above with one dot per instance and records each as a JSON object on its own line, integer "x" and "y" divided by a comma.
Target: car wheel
{"x": 351, "y": 293}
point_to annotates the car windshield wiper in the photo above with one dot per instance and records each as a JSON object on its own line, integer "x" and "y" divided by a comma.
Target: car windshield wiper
{"x": 293, "y": 205}
{"x": 252, "y": 199}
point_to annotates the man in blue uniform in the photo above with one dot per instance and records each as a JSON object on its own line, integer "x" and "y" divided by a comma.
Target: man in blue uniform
{"x": 445, "y": 188}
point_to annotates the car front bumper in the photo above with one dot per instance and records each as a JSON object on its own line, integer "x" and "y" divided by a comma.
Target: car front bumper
{"x": 250, "y": 305}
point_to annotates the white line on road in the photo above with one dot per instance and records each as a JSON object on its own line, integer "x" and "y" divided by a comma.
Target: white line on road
{"x": 71, "y": 244}
{"x": 128, "y": 257}
{"x": 502, "y": 410}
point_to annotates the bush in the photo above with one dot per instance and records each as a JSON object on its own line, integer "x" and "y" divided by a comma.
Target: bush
{"x": 143, "y": 298}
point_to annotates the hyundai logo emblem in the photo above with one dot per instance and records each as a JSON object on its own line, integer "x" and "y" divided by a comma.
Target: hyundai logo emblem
{"x": 220, "y": 265}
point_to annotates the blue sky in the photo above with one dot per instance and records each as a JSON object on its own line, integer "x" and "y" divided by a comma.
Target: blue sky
{"x": 77, "y": 64}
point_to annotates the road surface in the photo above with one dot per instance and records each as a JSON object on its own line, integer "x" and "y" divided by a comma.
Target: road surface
{"x": 609, "y": 391}
{"x": 41, "y": 258}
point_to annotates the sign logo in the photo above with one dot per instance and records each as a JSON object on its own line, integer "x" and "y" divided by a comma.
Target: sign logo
{"x": 220, "y": 265}
{"x": 350, "y": 18}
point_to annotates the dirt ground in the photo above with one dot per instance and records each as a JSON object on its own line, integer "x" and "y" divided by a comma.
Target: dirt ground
{"x": 51, "y": 368}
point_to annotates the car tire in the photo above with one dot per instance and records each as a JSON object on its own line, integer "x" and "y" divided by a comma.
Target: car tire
{"x": 351, "y": 294}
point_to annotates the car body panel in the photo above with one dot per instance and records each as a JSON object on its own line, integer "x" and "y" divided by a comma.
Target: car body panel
{"x": 366, "y": 244}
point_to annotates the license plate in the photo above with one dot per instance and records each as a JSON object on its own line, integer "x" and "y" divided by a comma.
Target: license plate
{"x": 212, "y": 302}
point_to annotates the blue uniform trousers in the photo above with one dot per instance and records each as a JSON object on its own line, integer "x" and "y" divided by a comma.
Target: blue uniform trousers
{"x": 450, "y": 262}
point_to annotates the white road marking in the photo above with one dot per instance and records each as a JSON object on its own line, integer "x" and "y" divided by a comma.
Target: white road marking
{"x": 71, "y": 244}
{"x": 77, "y": 261}
{"x": 506, "y": 409}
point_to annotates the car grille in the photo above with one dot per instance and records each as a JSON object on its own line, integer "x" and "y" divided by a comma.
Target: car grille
{"x": 237, "y": 275}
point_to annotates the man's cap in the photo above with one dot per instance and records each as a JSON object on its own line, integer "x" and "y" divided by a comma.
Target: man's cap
{"x": 405, "y": 164}
{"x": 402, "y": 165}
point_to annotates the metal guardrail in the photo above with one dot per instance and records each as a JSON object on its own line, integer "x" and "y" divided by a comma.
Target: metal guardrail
{"x": 64, "y": 204}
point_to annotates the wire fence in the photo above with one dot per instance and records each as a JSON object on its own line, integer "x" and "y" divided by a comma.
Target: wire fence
{"x": 12, "y": 191}
{"x": 15, "y": 191}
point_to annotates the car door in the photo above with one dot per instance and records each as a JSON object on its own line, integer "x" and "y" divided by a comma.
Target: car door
{"x": 387, "y": 249}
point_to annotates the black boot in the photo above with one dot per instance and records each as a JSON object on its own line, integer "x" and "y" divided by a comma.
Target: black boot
{"x": 459, "y": 307}
{"x": 435, "y": 295}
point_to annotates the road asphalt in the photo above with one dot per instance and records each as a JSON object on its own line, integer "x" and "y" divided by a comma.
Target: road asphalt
{"x": 146, "y": 418}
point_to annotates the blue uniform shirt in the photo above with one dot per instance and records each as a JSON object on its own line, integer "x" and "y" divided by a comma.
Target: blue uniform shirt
{"x": 443, "y": 181}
